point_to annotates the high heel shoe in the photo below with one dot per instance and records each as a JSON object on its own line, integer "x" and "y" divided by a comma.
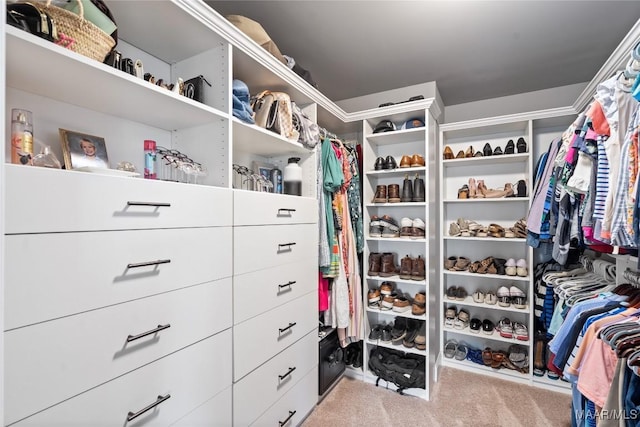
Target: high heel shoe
{"x": 470, "y": 151}
{"x": 481, "y": 189}
{"x": 486, "y": 150}
{"x": 510, "y": 147}
{"x": 522, "y": 188}
{"x": 472, "y": 188}
{"x": 521, "y": 145}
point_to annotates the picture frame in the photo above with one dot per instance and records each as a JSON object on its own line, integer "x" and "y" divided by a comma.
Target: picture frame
{"x": 263, "y": 169}
{"x": 83, "y": 151}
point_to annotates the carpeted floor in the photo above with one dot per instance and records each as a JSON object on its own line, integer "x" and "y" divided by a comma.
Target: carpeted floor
{"x": 458, "y": 399}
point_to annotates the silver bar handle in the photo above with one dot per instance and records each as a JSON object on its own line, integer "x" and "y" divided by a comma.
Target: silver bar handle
{"x": 151, "y": 332}
{"x": 291, "y": 325}
{"x": 291, "y": 282}
{"x": 286, "y": 210}
{"x": 155, "y": 204}
{"x": 291, "y": 414}
{"x": 148, "y": 263}
{"x": 286, "y": 245}
{"x": 287, "y": 374}
{"x": 133, "y": 415}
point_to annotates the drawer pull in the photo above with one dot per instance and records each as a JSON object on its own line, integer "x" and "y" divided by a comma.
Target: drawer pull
{"x": 133, "y": 415}
{"x": 287, "y": 374}
{"x": 291, "y": 414}
{"x": 148, "y": 263}
{"x": 291, "y": 282}
{"x": 286, "y": 211}
{"x": 291, "y": 325}
{"x": 286, "y": 245}
{"x": 155, "y": 204}
{"x": 144, "y": 334}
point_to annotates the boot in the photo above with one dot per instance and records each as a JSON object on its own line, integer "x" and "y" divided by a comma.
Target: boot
{"x": 538, "y": 356}
{"x": 375, "y": 259}
{"x": 394, "y": 193}
{"x": 418, "y": 189}
{"x": 417, "y": 269}
{"x": 381, "y": 194}
{"x": 405, "y": 267}
{"x": 388, "y": 267}
{"x": 407, "y": 190}
{"x": 357, "y": 355}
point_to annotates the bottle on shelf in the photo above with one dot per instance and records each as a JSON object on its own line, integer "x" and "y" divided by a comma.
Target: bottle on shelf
{"x": 150, "y": 159}
{"x": 47, "y": 159}
{"x": 21, "y": 137}
{"x": 293, "y": 177}
{"x": 275, "y": 176}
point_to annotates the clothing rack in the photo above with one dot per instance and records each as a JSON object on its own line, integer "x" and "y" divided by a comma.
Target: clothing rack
{"x": 326, "y": 134}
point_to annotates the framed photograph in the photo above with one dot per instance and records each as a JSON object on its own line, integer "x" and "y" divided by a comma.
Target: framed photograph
{"x": 81, "y": 150}
{"x": 263, "y": 169}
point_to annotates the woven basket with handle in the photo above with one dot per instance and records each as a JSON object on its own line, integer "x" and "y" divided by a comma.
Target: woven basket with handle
{"x": 78, "y": 34}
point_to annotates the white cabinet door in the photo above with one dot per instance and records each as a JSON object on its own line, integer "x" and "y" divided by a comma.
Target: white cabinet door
{"x": 79, "y": 201}
{"x": 256, "y": 392}
{"x": 214, "y": 413}
{"x": 260, "y": 291}
{"x": 52, "y": 361}
{"x": 83, "y": 271}
{"x": 259, "y": 247}
{"x": 264, "y": 336}
{"x": 190, "y": 377}
{"x": 255, "y": 208}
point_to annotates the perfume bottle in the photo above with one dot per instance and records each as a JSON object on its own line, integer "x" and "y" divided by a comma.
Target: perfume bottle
{"x": 47, "y": 159}
{"x": 21, "y": 137}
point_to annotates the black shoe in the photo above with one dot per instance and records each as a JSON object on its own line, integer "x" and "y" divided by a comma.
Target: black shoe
{"x": 413, "y": 326}
{"x": 522, "y": 189}
{"x": 521, "y": 145}
{"x": 510, "y": 147}
{"x": 390, "y": 163}
{"x": 386, "y": 333}
{"x": 486, "y": 150}
{"x": 418, "y": 189}
{"x": 357, "y": 360}
{"x": 379, "y": 165}
{"x": 497, "y": 151}
{"x": 407, "y": 190}
{"x": 376, "y": 333}
{"x": 475, "y": 325}
{"x": 399, "y": 330}
{"x": 487, "y": 326}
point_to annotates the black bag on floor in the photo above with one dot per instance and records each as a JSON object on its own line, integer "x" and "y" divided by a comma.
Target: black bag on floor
{"x": 403, "y": 370}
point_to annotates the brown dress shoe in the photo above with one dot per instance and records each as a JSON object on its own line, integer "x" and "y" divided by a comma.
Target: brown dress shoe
{"x": 417, "y": 160}
{"x": 418, "y": 269}
{"x": 448, "y": 153}
{"x": 419, "y": 306}
{"x": 405, "y": 162}
{"x": 388, "y": 267}
{"x": 405, "y": 267}
{"x": 381, "y": 194}
{"x": 394, "y": 193}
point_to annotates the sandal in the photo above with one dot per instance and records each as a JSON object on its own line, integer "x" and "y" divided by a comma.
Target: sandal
{"x": 487, "y": 356}
{"x": 497, "y": 358}
{"x": 496, "y": 230}
{"x": 472, "y": 188}
{"x": 461, "y": 352}
{"x": 454, "y": 229}
{"x": 481, "y": 232}
{"x": 462, "y": 263}
{"x": 450, "y": 349}
{"x": 450, "y": 262}
{"x": 473, "y": 268}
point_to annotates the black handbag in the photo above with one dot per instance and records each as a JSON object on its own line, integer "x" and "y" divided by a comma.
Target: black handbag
{"x": 194, "y": 88}
{"x": 29, "y": 18}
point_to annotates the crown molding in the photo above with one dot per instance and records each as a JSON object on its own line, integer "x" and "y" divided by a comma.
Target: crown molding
{"x": 616, "y": 62}
{"x": 510, "y": 118}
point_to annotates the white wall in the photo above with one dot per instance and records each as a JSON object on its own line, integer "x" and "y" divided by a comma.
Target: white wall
{"x": 562, "y": 96}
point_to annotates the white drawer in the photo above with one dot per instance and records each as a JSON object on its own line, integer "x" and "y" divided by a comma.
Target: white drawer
{"x": 83, "y": 271}
{"x": 49, "y": 200}
{"x": 255, "y": 208}
{"x": 260, "y": 291}
{"x": 190, "y": 376}
{"x": 256, "y": 392}
{"x": 264, "y": 336}
{"x": 259, "y": 247}
{"x": 294, "y": 406}
{"x": 52, "y": 361}
{"x": 216, "y": 412}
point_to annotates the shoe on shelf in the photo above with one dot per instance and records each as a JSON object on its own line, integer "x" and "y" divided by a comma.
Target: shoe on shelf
{"x": 376, "y": 332}
{"x": 463, "y": 192}
{"x": 461, "y": 351}
{"x": 487, "y": 150}
{"x": 413, "y": 326}
{"x": 521, "y": 145}
{"x": 450, "y": 349}
{"x": 505, "y": 328}
{"x": 375, "y": 228}
{"x": 379, "y": 164}
{"x": 475, "y": 325}
{"x": 399, "y": 330}
{"x": 405, "y": 162}
{"x": 419, "y": 306}
{"x": 454, "y": 229}
{"x": 375, "y": 259}
{"x": 497, "y": 151}
{"x": 386, "y": 288}
{"x": 521, "y": 188}
{"x": 418, "y": 189}
{"x": 418, "y": 269}
{"x": 510, "y": 147}
{"x": 473, "y": 189}
{"x": 386, "y": 333}
{"x": 406, "y": 264}
{"x": 450, "y": 316}
{"x": 518, "y": 297}
{"x": 390, "y": 163}
{"x": 381, "y": 194}
{"x": 417, "y": 161}
{"x": 504, "y": 296}
{"x": 461, "y": 294}
{"x": 487, "y": 326}
{"x": 393, "y": 191}
{"x": 470, "y": 151}
{"x": 388, "y": 264}
{"x": 406, "y": 228}
{"x": 518, "y": 355}
{"x": 421, "y": 339}
{"x": 387, "y": 302}
{"x": 374, "y": 298}
{"x": 520, "y": 331}
{"x": 390, "y": 228}
{"x": 510, "y": 267}
{"x": 417, "y": 229}
{"x": 490, "y": 298}
{"x": 451, "y": 292}
{"x": 447, "y": 153}
{"x": 407, "y": 190}
{"x": 401, "y": 305}
{"x": 462, "y": 321}
{"x": 478, "y": 297}
{"x": 521, "y": 268}
{"x": 460, "y": 155}
{"x": 539, "y": 347}
{"x": 450, "y": 262}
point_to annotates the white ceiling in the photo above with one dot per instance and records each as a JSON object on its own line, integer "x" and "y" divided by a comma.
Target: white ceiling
{"x": 474, "y": 50}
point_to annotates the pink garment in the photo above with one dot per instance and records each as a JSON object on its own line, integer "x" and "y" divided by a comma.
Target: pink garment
{"x": 598, "y": 119}
{"x": 323, "y": 292}
{"x": 597, "y": 370}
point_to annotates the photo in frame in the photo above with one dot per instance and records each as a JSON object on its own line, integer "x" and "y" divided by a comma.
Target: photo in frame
{"x": 81, "y": 150}
{"x": 263, "y": 169}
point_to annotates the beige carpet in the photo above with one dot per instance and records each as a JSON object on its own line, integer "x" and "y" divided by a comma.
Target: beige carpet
{"x": 458, "y": 399}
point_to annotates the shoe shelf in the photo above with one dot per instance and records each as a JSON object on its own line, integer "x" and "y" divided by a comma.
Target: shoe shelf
{"x": 488, "y": 276}
{"x": 468, "y": 301}
{"x": 397, "y": 171}
{"x": 398, "y": 347}
{"x": 396, "y": 279}
{"x": 396, "y": 239}
{"x": 398, "y": 205}
{"x": 558, "y": 384}
{"x": 497, "y": 200}
{"x": 396, "y": 137}
{"x": 487, "y": 239}
{"x": 468, "y": 365}
{"x": 493, "y": 336}
{"x": 406, "y": 314}
{"x": 489, "y": 160}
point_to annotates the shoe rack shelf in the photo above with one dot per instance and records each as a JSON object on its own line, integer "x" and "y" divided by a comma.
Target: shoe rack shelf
{"x": 396, "y": 144}
{"x": 493, "y": 336}
{"x": 469, "y": 302}
{"x": 491, "y": 239}
{"x": 487, "y": 276}
{"x": 492, "y": 160}
{"x": 467, "y": 365}
{"x": 483, "y": 201}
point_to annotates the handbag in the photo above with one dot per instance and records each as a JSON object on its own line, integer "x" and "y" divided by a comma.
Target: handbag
{"x": 29, "y": 18}
{"x": 262, "y": 104}
{"x": 274, "y": 112}
{"x": 194, "y": 88}
{"x": 308, "y": 130}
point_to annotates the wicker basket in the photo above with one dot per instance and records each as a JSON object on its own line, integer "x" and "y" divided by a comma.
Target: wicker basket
{"x": 78, "y": 34}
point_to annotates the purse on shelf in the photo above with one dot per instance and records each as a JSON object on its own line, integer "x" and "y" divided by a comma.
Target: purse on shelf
{"x": 194, "y": 88}
{"x": 308, "y": 130}
{"x": 28, "y": 17}
{"x": 273, "y": 111}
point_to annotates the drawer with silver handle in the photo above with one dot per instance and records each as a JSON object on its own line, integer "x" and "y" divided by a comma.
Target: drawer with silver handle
{"x": 274, "y": 209}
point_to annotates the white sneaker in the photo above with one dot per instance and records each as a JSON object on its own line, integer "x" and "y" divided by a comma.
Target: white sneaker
{"x": 504, "y": 296}
{"x": 518, "y": 297}
{"x": 417, "y": 229}
{"x": 406, "y": 226}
